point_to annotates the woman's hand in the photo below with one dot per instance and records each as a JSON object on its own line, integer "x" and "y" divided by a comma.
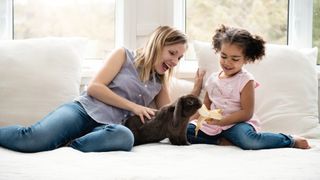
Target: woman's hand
{"x": 198, "y": 80}
{"x": 143, "y": 111}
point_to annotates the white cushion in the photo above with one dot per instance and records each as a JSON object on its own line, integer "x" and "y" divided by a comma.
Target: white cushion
{"x": 179, "y": 87}
{"x": 287, "y": 98}
{"x": 207, "y": 60}
{"x": 38, "y": 75}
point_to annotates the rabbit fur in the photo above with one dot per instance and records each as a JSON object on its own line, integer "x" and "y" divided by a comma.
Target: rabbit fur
{"x": 170, "y": 121}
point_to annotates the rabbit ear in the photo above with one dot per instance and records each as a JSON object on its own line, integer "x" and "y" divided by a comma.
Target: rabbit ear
{"x": 177, "y": 112}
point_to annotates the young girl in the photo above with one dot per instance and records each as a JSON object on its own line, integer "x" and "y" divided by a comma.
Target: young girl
{"x": 232, "y": 91}
{"x": 125, "y": 85}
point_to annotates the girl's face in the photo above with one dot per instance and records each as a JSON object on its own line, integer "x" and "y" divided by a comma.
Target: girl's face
{"x": 170, "y": 57}
{"x": 231, "y": 59}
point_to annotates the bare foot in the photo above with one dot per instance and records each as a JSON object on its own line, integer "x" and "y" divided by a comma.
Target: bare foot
{"x": 300, "y": 142}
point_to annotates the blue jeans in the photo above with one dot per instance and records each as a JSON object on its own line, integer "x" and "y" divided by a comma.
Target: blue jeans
{"x": 69, "y": 124}
{"x": 242, "y": 135}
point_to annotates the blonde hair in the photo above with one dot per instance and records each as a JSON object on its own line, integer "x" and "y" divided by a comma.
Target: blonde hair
{"x": 150, "y": 55}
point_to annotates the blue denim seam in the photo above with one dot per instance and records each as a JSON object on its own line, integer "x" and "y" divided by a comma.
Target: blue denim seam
{"x": 292, "y": 142}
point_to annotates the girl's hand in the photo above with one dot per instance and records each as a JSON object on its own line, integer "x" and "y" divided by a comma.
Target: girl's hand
{"x": 215, "y": 122}
{"x": 143, "y": 111}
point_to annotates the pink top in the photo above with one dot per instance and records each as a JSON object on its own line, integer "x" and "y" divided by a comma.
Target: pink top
{"x": 225, "y": 94}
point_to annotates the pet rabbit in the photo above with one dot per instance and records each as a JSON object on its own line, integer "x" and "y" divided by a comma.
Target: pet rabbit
{"x": 169, "y": 122}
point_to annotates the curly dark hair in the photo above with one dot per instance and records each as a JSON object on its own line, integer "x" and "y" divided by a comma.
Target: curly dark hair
{"x": 253, "y": 46}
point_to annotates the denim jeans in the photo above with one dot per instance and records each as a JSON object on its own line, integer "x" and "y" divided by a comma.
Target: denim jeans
{"x": 68, "y": 124}
{"x": 242, "y": 135}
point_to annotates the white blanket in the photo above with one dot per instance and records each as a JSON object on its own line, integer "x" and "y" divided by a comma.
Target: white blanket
{"x": 164, "y": 161}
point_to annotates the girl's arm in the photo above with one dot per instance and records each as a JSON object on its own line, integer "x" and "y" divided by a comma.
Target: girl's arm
{"x": 207, "y": 101}
{"x": 97, "y": 87}
{"x": 247, "y": 104}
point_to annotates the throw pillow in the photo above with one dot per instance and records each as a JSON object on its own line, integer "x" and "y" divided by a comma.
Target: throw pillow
{"x": 38, "y": 75}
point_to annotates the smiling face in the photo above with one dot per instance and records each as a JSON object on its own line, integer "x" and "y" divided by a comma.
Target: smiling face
{"x": 231, "y": 59}
{"x": 170, "y": 57}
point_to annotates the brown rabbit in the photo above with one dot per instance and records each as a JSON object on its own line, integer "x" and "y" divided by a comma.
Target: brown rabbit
{"x": 169, "y": 122}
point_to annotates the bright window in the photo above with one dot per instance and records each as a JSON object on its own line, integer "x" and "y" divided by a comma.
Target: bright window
{"x": 266, "y": 18}
{"x": 94, "y": 19}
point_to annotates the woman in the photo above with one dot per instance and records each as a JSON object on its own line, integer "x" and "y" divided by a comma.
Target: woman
{"x": 125, "y": 85}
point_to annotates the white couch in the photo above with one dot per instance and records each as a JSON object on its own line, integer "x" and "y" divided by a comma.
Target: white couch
{"x": 39, "y": 74}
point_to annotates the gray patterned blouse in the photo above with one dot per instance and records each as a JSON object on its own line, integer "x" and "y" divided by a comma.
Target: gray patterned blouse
{"x": 126, "y": 84}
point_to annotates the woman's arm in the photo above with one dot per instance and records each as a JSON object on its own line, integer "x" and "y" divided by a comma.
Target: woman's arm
{"x": 198, "y": 80}
{"x": 97, "y": 87}
{"x": 206, "y": 102}
{"x": 163, "y": 97}
{"x": 247, "y": 107}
